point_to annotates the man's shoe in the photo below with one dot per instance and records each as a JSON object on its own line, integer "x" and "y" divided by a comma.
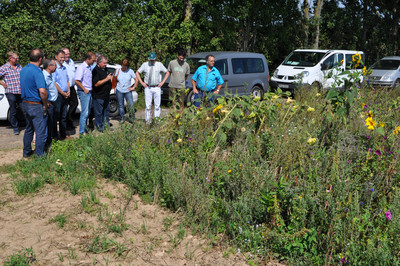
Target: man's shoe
{"x": 16, "y": 131}
{"x": 28, "y": 155}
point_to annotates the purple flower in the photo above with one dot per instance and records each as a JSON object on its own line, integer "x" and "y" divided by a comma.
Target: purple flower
{"x": 362, "y": 203}
{"x": 169, "y": 140}
{"x": 384, "y": 137}
{"x": 372, "y": 190}
{"x": 388, "y": 215}
{"x": 368, "y": 137}
{"x": 348, "y": 161}
{"x": 378, "y": 152}
{"x": 365, "y": 106}
{"x": 370, "y": 150}
{"x": 189, "y": 139}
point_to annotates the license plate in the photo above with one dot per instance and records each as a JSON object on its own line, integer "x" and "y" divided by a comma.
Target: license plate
{"x": 284, "y": 86}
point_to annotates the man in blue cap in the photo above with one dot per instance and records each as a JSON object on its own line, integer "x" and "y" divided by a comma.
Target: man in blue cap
{"x": 152, "y": 84}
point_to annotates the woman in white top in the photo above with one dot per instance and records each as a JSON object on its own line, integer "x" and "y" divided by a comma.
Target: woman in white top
{"x": 125, "y": 88}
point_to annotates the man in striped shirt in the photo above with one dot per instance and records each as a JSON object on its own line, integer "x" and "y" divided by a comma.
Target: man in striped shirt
{"x": 10, "y": 75}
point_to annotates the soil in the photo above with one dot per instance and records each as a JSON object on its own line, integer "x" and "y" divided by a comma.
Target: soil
{"x": 152, "y": 235}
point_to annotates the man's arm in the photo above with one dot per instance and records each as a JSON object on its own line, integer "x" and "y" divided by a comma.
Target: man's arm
{"x": 165, "y": 78}
{"x": 102, "y": 81}
{"x": 140, "y": 80}
{"x": 43, "y": 96}
{"x": 218, "y": 89}
{"x": 194, "y": 86}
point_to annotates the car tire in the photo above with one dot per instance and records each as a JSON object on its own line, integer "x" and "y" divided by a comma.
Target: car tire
{"x": 316, "y": 85}
{"x": 190, "y": 98}
{"x": 114, "y": 110}
{"x": 257, "y": 91}
{"x": 396, "y": 83}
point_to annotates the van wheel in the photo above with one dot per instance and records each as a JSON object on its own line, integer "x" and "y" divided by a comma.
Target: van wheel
{"x": 114, "y": 110}
{"x": 316, "y": 85}
{"x": 257, "y": 91}
{"x": 190, "y": 98}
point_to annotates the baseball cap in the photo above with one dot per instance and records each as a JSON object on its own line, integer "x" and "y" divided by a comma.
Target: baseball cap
{"x": 152, "y": 56}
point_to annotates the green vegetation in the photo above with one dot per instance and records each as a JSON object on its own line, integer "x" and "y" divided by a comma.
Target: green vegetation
{"x": 24, "y": 257}
{"x": 60, "y": 219}
{"x": 133, "y": 28}
{"x": 310, "y": 180}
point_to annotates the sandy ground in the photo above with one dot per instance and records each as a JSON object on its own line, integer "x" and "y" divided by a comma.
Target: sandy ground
{"x": 152, "y": 235}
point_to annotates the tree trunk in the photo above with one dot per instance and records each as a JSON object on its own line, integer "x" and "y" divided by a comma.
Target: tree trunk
{"x": 188, "y": 17}
{"x": 305, "y": 22}
{"x": 317, "y": 17}
{"x": 396, "y": 20}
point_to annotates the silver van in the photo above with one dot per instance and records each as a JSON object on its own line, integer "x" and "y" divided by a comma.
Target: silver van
{"x": 243, "y": 73}
{"x": 386, "y": 72}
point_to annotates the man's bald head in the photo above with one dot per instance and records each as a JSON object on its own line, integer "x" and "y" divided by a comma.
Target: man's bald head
{"x": 36, "y": 55}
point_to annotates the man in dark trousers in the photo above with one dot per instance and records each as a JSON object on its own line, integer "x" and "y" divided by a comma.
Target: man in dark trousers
{"x": 101, "y": 93}
{"x": 34, "y": 104}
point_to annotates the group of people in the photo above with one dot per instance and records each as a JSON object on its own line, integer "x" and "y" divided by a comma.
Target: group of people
{"x": 48, "y": 97}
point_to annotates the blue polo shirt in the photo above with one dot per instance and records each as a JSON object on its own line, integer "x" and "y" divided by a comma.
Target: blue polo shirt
{"x": 61, "y": 77}
{"x": 207, "y": 81}
{"x": 31, "y": 79}
{"x": 52, "y": 92}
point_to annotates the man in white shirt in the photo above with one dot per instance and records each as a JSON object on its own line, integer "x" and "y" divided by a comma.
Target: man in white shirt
{"x": 152, "y": 84}
{"x": 73, "y": 97}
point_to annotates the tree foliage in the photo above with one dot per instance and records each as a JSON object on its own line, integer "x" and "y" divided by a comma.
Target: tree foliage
{"x": 133, "y": 28}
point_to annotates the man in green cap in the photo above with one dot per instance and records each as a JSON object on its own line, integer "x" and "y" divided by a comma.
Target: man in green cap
{"x": 152, "y": 84}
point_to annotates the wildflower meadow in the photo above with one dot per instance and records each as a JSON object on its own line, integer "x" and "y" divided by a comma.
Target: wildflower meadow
{"x": 309, "y": 179}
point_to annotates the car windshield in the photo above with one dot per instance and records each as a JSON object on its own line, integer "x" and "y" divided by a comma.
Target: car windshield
{"x": 194, "y": 63}
{"x": 305, "y": 59}
{"x": 386, "y": 64}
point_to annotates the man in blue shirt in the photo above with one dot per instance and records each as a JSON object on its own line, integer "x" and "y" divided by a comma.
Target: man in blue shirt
{"x": 206, "y": 82}
{"x": 34, "y": 104}
{"x": 61, "y": 105}
{"x": 49, "y": 67}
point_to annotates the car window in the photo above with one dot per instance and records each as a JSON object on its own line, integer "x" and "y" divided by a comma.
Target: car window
{"x": 333, "y": 61}
{"x": 195, "y": 63}
{"x": 247, "y": 65}
{"x": 303, "y": 58}
{"x": 222, "y": 66}
{"x": 386, "y": 64}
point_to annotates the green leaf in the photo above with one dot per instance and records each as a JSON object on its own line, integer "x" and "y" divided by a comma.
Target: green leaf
{"x": 380, "y": 130}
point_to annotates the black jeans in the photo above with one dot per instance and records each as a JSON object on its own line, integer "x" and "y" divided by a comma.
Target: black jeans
{"x": 73, "y": 104}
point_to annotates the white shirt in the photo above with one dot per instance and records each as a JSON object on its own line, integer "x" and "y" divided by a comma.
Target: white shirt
{"x": 71, "y": 71}
{"x": 155, "y": 71}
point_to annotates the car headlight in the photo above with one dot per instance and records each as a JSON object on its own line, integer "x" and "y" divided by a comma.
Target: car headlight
{"x": 305, "y": 74}
{"x": 276, "y": 73}
{"x": 387, "y": 78}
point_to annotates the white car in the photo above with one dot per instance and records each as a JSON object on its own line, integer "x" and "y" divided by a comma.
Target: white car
{"x": 313, "y": 67}
{"x": 114, "y": 111}
{"x": 4, "y": 106}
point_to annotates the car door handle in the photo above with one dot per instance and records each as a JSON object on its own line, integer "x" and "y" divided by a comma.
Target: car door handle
{"x": 226, "y": 80}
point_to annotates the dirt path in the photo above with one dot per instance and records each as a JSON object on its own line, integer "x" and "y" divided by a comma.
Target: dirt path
{"x": 106, "y": 227}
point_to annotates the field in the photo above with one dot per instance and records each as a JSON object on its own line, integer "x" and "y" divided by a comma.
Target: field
{"x": 309, "y": 180}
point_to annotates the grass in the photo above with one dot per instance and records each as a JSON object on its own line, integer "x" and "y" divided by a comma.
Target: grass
{"x": 303, "y": 180}
{"x": 60, "y": 219}
{"x": 24, "y": 257}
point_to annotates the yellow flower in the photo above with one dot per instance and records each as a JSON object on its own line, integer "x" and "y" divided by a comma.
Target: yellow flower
{"x": 256, "y": 99}
{"x": 186, "y": 91}
{"x": 179, "y": 140}
{"x": 275, "y": 97}
{"x": 396, "y": 131}
{"x": 310, "y": 109}
{"x": 381, "y": 124}
{"x": 364, "y": 70}
{"x": 278, "y": 105}
{"x": 290, "y": 100}
{"x": 356, "y": 58}
{"x": 216, "y": 109}
{"x": 229, "y": 171}
{"x": 319, "y": 94}
{"x": 312, "y": 141}
{"x": 370, "y": 123}
{"x": 369, "y": 114}
{"x": 341, "y": 62}
{"x": 208, "y": 118}
{"x": 251, "y": 115}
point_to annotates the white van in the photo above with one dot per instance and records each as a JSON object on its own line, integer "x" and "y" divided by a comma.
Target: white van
{"x": 4, "y": 106}
{"x": 318, "y": 68}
